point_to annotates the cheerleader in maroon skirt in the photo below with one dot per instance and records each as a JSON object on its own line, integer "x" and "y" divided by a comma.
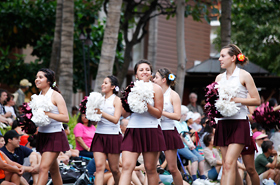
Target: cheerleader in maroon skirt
{"x": 233, "y": 132}
{"x": 171, "y": 112}
{"x": 143, "y": 133}
{"x": 107, "y": 140}
{"x": 51, "y": 138}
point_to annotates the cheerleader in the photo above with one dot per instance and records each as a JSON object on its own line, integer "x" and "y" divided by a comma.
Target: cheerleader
{"x": 233, "y": 133}
{"x": 51, "y": 138}
{"x": 106, "y": 142}
{"x": 143, "y": 133}
{"x": 171, "y": 111}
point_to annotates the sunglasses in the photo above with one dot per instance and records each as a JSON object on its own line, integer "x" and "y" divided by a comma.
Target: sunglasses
{"x": 16, "y": 157}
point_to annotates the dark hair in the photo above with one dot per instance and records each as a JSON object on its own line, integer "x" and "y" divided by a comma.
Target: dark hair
{"x": 234, "y": 50}
{"x": 272, "y": 102}
{"x": 256, "y": 126}
{"x": 3, "y": 90}
{"x": 164, "y": 73}
{"x": 114, "y": 82}
{"x": 10, "y": 96}
{"x": 266, "y": 145}
{"x": 208, "y": 128}
{"x": 142, "y": 62}
{"x": 80, "y": 120}
{"x": 32, "y": 140}
{"x": 65, "y": 126}
{"x": 207, "y": 138}
{"x": 50, "y": 75}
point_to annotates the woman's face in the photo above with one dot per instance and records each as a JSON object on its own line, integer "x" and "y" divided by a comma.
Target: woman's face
{"x": 41, "y": 81}
{"x": 158, "y": 79}
{"x": 84, "y": 119}
{"x": 2, "y": 142}
{"x": 225, "y": 59}
{"x": 144, "y": 72}
{"x": 107, "y": 86}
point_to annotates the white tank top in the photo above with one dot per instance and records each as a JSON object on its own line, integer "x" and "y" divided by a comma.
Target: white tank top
{"x": 54, "y": 126}
{"x": 234, "y": 79}
{"x": 167, "y": 123}
{"x": 144, "y": 120}
{"x": 105, "y": 126}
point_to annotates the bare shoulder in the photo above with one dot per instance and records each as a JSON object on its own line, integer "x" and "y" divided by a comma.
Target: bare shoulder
{"x": 244, "y": 74}
{"x": 218, "y": 77}
{"x": 117, "y": 99}
{"x": 56, "y": 94}
{"x": 157, "y": 88}
{"x": 174, "y": 94}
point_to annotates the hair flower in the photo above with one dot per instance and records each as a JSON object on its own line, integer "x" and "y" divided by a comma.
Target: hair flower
{"x": 54, "y": 84}
{"x": 240, "y": 57}
{"x": 171, "y": 77}
{"x": 117, "y": 88}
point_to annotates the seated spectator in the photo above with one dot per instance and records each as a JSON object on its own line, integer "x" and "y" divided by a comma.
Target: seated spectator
{"x": 259, "y": 137}
{"x": 256, "y": 127}
{"x": 74, "y": 111}
{"x": 84, "y": 132}
{"x": 123, "y": 124}
{"x": 193, "y": 106}
{"x": 15, "y": 152}
{"x": 9, "y": 171}
{"x": 196, "y": 122}
{"x": 207, "y": 130}
{"x": 17, "y": 127}
{"x": 9, "y": 106}
{"x": 213, "y": 161}
{"x": 3, "y": 113}
{"x": 189, "y": 151}
{"x": 266, "y": 166}
{"x": 2, "y": 141}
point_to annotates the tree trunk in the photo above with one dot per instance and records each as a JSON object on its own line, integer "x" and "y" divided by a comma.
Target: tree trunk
{"x": 152, "y": 47}
{"x": 66, "y": 59}
{"x": 109, "y": 44}
{"x": 55, "y": 56}
{"x": 226, "y": 22}
{"x": 181, "y": 51}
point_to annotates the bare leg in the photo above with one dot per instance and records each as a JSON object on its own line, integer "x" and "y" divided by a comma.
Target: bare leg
{"x": 100, "y": 161}
{"x": 49, "y": 161}
{"x": 171, "y": 158}
{"x": 128, "y": 164}
{"x": 229, "y": 157}
{"x": 113, "y": 160}
{"x": 249, "y": 163}
{"x": 150, "y": 162}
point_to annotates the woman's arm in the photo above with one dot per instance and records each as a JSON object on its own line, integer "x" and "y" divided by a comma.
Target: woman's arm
{"x": 58, "y": 101}
{"x": 10, "y": 166}
{"x": 117, "y": 114}
{"x": 156, "y": 111}
{"x": 176, "y": 102}
{"x": 254, "y": 99}
{"x": 82, "y": 143}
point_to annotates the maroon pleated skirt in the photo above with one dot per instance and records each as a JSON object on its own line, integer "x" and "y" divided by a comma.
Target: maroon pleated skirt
{"x": 250, "y": 149}
{"x": 232, "y": 131}
{"x": 52, "y": 142}
{"x": 106, "y": 143}
{"x": 143, "y": 140}
{"x": 172, "y": 139}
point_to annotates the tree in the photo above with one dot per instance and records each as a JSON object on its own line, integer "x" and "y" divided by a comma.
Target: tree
{"x": 66, "y": 59}
{"x": 137, "y": 14}
{"x": 109, "y": 45}
{"x": 55, "y": 55}
{"x": 226, "y": 22}
{"x": 256, "y": 30}
{"x": 181, "y": 51}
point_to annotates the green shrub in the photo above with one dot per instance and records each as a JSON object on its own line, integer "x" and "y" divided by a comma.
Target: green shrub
{"x": 72, "y": 123}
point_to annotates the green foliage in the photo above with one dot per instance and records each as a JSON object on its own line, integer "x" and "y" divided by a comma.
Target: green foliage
{"x": 33, "y": 22}
{"x": 256, "y": 30}
{"x": 72, "y": 123}
{"x": 3, "y": 130}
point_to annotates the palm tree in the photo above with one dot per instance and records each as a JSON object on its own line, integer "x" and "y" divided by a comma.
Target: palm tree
{"x": 66, "y": 55}
{"x": 109, "y": 44}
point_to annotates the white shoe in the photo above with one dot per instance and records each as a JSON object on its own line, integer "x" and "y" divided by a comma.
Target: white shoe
{"x": 207, "y": 182}
{"x": 198, "y": 182}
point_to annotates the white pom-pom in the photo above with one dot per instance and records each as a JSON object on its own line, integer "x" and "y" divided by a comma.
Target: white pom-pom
{"x": 39, "y": 105}
{"x": 141, "y": 94}
{"x": 95, "y": 100}
{"x": 224, "y": 104}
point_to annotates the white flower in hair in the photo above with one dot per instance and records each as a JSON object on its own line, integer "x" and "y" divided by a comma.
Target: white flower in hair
{"x": 39, "y": 105}
{"x": 94, "y": 101}
{"x": 226, "y": 91}
{"x": 141, "y": 94}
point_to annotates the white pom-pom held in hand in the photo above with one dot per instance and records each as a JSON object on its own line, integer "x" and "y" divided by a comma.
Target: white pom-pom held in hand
{"x": 94, "y": 102}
